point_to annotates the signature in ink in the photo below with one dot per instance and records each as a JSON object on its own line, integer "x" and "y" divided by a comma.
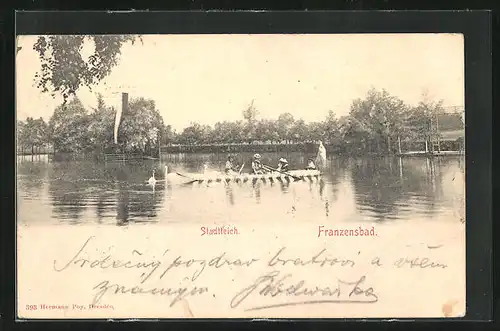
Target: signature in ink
{"x": 275, "y": 285}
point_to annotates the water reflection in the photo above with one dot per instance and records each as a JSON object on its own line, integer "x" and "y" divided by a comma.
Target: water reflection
{"x": 321, "y": 187}
{"x": 137, "y": 201}
{"x": 230, "y": 194}
{"x": 32, "y": 175}
{"x": 105, "y": 201}
{"x": 386, "y": 190}
{"x": 284, "y": 185}
{"x": 68, "y": 200}
{"x": 256, "y": 191}
{"x": 376, "y": 189}
{"x": 77, "y": 185}
{"x": 122, "y": 205}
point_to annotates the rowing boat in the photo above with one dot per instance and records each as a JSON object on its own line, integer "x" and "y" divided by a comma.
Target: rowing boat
{"x": 274, "y": 175}
{"x": 292, "y": 175}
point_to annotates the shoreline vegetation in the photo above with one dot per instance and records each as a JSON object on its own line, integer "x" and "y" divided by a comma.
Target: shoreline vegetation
{"x": 379, "y": 124}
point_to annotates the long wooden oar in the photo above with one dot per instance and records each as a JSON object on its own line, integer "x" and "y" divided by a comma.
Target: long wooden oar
{"x": 239, "y": 172}
{"x": 192, "y": 180}
{"x": 178, "y": 173}
{"x": 282, "y": 172}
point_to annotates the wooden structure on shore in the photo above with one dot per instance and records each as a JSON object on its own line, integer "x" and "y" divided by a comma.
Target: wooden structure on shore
{"x": 435, "y": 153}
{"x": 261, "y": 147}
{"x": 123, "y": 157}
{"x": 448, "y": 139}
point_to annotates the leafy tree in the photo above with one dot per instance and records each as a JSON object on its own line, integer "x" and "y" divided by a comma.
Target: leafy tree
{"x": 236, "y": 132}
{"x": 250, "y": 115}
{"x": 332, "y": 128}
{"x": 285, "y": 124}
{"x": 220, "y": 132}
{"x": 32, "y": 134}
{"x": 102, "y": 121}
{"x": 195, "y": 134}
{"x": 421, "y": 121}
{"x": 68, "y": 127}
{"x": 64, "y": 70}
{"x": 266, "y": 130}
{"x": 140, "y": 129}
{"x": 356, "y": 132}
{"x": 223, "y": 133}
{"x": 343, "y": 123}
{"x": 20, "y": 134}
{"x": 316, "y": 131}
{"x": 378, "y": 117}
{"x": 23, "y": 135}
{"x": 299, "y": 131}
{"x": 168, "y": 135}
{"x": 374, "y": 123}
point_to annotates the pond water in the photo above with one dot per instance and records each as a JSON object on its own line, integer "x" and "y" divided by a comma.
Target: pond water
{"x": 389, "y": 189}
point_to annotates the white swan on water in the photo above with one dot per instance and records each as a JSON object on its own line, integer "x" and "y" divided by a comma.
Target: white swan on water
{"x": 152, "y": 180}
{"x": 169, "y": 177}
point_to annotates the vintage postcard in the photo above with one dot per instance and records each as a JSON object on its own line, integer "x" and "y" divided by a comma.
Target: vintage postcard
{"x": 240, "y": 176}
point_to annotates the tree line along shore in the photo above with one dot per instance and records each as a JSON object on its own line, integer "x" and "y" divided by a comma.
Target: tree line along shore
{"x": 379, "y": 123}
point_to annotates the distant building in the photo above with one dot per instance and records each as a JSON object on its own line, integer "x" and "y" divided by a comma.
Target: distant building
{"x": 451, "y": 132}
{"x": 449, "y": 137}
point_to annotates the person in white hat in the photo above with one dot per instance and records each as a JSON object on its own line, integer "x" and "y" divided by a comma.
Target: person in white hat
{"x": 257, "y": 165}
{"x": 310, "y": 164}
{"x": 230, "y": 168}
{"x": 282, "y": 165}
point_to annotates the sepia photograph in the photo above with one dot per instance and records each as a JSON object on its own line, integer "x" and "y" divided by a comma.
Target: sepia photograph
{"x": 240, "y": 176}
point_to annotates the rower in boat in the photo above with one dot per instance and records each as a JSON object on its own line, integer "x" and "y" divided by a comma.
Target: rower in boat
{"x": 282, "y": 165}
{"x": 310, "y": 164}
{"x": 257, "y": 167}
{"x": 230, "y": 168}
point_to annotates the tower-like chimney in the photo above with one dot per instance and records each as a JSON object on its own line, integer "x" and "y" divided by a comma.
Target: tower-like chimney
{"x": 124, "y": 103}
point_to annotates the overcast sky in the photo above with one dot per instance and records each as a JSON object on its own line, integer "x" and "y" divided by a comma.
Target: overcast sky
{"x": 210, "y": 78}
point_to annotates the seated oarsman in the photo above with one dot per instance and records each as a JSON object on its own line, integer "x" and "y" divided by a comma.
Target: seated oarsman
{"x": 282, "y": 165}
{"x": 310, "y": 164}
{"x": 229, "y": 169}
{"x": 257, "y": 167}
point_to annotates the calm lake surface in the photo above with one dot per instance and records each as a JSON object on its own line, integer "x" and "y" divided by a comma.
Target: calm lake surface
{"x": 357, "y": 190}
